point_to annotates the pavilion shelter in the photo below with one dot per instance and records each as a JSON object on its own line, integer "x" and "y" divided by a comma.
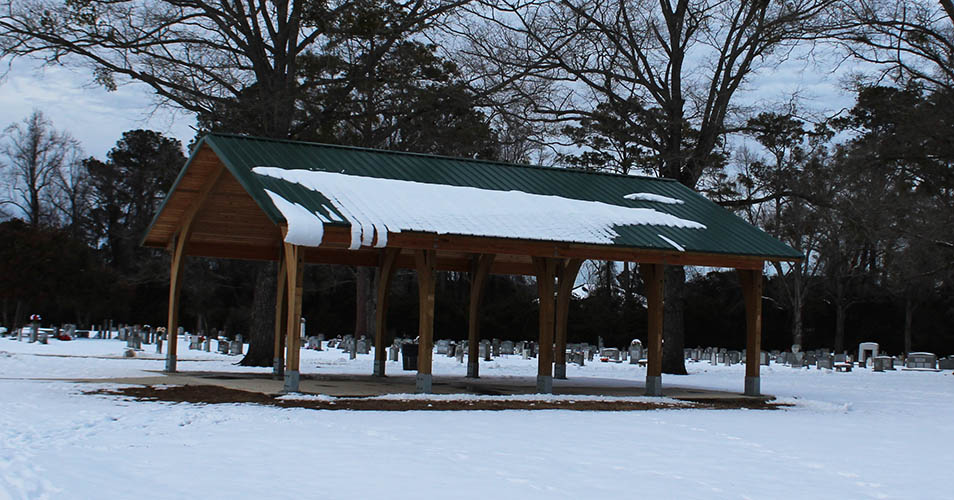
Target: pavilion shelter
{"x": 294, "y": 202}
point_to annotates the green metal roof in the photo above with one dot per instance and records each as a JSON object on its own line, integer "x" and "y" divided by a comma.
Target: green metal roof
{"x": 725, "y": 232}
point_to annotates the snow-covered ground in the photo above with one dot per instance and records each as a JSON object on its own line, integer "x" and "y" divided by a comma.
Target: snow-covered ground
{"x": 849, "y": 435}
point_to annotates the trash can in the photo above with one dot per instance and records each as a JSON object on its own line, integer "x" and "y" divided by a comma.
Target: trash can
{"x": 409, "y": 355}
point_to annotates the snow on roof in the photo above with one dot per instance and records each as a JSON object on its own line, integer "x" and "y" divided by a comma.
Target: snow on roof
{"x": 675, "y": 245}
{"x": 375, "y": 206}
{"x": 658, "y": 198}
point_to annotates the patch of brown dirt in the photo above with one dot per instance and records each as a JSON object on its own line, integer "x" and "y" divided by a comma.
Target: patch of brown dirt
{"x": 213, "y": 394}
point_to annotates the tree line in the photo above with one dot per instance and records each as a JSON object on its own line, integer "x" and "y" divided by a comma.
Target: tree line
{"x": 628, "y": 86}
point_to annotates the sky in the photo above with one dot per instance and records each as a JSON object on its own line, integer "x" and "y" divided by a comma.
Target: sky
{"x": 97, "y": 118}
{"x": 74, "y": 103}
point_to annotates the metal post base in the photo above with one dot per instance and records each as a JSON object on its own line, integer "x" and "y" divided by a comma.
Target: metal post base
{"x": 379, "y": 368}
{"x": 473, "y": 370}
{"x": 544, "y": 384}
{"x": 423, "y": 383}
{"x": 653, "y": 385}
{"x": 559, "y": 371}
{"x": 753, "y": 386}
{"x": 170, "y": 362}
{"x": 292, "y": 378}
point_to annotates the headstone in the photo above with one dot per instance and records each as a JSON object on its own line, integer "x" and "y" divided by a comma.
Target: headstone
{"x": 159, "y": 332}
{"x": 207, "y": 345}
{"x": 313, "y": 343}
{"x": 442, "y": 346}
{"x": 882, "y": 363}
{"x": 393, "y": 353}
{"x": 866, "y": 350}
{"x": 577, "y": 357}
{"x": 486, "y": 349}
{"x": 827, "y": 362}
{"x": 733, "y": 357}
{"x": 921, "y": 360}
{"x": 764, "y": 358}
{"x": 946, "y": 363}
{"x": 236, "y": 346}
{"x": 364, "y": 346}
{"x": 460, "y": 350}
{"x": 609, "y": 354}
{"x": 506, "y": 347}
{"x": 223, "y": 346}
{"x": 496, "y": 347}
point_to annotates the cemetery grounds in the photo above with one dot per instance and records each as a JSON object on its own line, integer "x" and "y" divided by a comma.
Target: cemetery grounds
{"x": 848, "y": 435}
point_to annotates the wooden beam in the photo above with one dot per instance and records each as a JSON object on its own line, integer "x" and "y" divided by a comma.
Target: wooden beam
{"x": 654, "y": 279}
{"x": 294, "y": 266}
{"x": 546, "y": 272}
{"x": 425, "y": 285}
{"x": 281, "y": 317}
{"x": 388, "y": 259}
{"x": 175, "y": 289}
{"x": 178, "y": 244}
{"x": 568, "y": 269}
{"x": 751, "y": 282}
{"x": 338, "y": 236}
{"x": 480, "y": 269}
{"x": 185, "y": 224}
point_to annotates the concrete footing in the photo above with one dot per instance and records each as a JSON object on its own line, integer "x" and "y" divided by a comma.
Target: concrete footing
{"x": 423, "y": 385}
{"x": 653, "y": 385}
{"x": 170, "y": 362}
{"x": 473, "y": 370}
{"x": 379, "y": 368}
{"x": 559, "y": 371}
{"x": 292, "y": 379}
{"x": 544, "y": 384}
{"x": 753, "y": 386}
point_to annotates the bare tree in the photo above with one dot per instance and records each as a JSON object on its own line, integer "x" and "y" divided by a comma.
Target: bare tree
{"x": 906, "y": 39}
{"x": 667, "y": 71}
{"x": 35, "y": 155}
{"x": 203, "y": 56}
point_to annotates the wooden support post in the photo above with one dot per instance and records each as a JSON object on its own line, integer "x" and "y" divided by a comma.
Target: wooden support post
{"x": 480, "y": 270}
{"x": 281, "y": 317}
{"x": 294, "y": 266}
{"x": 751, "y": 281}
{"x": 178, "y": 246}
{"x": 385, "y": 274}
{"x": 567, "y": 276}
{"x": 175, "y": 289}
{"x": 425, "y": 261}
{"x": 654, "y": 278}
{"x": 546, "y": 269}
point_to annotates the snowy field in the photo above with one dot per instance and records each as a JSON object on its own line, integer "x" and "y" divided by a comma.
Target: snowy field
{"x": 848, "y": 435}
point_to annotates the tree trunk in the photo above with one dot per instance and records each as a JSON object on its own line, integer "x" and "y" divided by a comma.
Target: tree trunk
{"x": 797, "y": 306}
{"x": 908, "y": 319}
{"x": 674, "y": 326}
{"x": 261, "y": 342}
{"x": 841, "y": 310}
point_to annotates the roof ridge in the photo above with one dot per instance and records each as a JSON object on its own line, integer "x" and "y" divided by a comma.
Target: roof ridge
{"x": 440, "y": 157}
